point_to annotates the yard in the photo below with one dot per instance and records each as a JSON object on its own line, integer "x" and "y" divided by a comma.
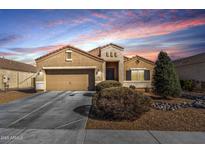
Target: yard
{"x": 188, "y": 119}
{"x": 8, "y": 96}
{"x": 166, "y": 107}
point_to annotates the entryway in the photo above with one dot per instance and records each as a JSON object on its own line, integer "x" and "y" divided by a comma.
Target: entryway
{"x": 112, "y": 71}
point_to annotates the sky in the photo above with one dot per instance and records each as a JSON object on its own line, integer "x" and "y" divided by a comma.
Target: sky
{"x": 28, "y": 34}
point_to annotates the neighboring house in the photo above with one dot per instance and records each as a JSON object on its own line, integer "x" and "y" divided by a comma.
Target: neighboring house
{"x": 70, "y": 68}
{"x": 15, "y": 75}
{"x": 191, "y": 68}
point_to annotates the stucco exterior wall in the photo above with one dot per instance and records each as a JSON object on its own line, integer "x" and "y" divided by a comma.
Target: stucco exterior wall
{"x": 78, "y": 59}
{"x": 119, "y": 59}
{"x": 18, "y": 79}
{"x": 138, "y": 84}
{"x": 95, "y": 52}
{"x": 138, "y": 63}
{"x": 191, "y": 72}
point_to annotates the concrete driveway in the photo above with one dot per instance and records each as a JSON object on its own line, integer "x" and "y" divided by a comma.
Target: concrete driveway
{"x": 52, "y": 117}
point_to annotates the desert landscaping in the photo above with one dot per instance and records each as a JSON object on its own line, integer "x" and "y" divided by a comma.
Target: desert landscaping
{"x": 166, "y": 107}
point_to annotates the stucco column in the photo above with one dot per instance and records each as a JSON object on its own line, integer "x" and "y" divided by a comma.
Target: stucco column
{"x": 44, "y": 79}
{"x": 104, "y": 71}
{"x": 121, "y": 71}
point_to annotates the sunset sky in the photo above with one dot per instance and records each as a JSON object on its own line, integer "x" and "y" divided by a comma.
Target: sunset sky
{"x": 29, "y": 34}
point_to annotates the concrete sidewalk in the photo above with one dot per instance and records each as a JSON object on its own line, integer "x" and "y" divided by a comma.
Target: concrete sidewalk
{"x": 67, "y": 136}
{"x": 143, "y": 137}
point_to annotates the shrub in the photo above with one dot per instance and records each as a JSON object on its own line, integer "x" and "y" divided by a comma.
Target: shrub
{"x": 187, "y": 85}
{"x": 132, "y": 87}
{"x": 203, "y": 85}
{"x": 107, "y": 84}
{"x": 147, "y": 90}
{"x": 119, "y": 103}
{"x": 165, "y": 80}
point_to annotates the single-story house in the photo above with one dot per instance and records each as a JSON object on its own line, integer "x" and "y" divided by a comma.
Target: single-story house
{"x": 16, "y": 75}
{"x": 70, "y": 68}
{"x": 192, "y": 68}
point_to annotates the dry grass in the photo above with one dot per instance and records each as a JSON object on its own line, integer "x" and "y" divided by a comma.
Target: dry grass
{"x": 8, "y": 96}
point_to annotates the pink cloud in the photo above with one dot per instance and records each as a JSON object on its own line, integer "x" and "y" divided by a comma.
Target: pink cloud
{"x": 56, "y": 23}
{"x": 73, "y": 21}
{"x": 37, "y": 49}
{"x": 2, "y": 54}
{"x": 132, "y": 31}
{"x": 151, "y": 55}
{"x": 174, "y": 53}
{"x": 81, "y": 20}
{"x": 100, "y": 15}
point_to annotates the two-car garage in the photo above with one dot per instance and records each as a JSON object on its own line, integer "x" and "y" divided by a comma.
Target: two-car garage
{"x": 70, "y": 79}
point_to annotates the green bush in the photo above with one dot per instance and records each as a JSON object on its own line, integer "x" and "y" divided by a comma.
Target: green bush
{"x": 187, "y": 85}
{"x": 107, "y": 84}
{"x": 119, "y": 103}
{"x": 165, "y": 80}
{"x": 132, "y": 87}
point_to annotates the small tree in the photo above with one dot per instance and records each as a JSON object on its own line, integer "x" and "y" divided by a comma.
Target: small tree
{"x": 165, "y": 80}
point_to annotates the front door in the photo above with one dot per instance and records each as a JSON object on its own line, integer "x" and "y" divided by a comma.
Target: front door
{"x": 110, "y": 74}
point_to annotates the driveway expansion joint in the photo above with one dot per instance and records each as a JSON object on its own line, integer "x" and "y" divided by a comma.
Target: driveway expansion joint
{"x": 154, "y": 137}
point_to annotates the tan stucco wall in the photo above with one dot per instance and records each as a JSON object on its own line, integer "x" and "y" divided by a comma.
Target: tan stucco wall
{"x": 192, "y": 72}
{"x": 78, "y": 59}
{"x": 119, "y": 58}
{"x": 17, "y": 79}
{"x": 141, "y": 64}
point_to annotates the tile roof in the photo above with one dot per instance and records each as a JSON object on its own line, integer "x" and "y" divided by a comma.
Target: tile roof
{"x": 17, "y": 66}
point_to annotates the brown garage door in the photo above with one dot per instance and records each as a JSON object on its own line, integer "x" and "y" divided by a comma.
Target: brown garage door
{"x": 81, "y": 79}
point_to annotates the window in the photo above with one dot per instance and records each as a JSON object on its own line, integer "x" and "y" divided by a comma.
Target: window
{"x": 146, "y": 74}
{"x": 115, "y": 54}
{"x": 128, "y": 75}
{"x": 107, "y": 54}
{"x": 111, "y": 54}
{"x": 137, "y": 75}
{"x": 69, "y": 55}
{"x": 140, "y": 75}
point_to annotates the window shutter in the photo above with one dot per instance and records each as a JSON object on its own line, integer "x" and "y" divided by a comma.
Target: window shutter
{"x": 146, "y": 74}
{"x": 128, "y": 75}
